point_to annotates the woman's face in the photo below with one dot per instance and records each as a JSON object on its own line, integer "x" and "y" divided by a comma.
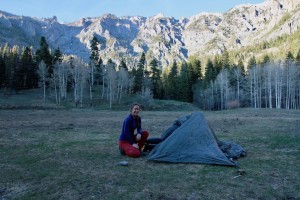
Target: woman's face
{"x": 135, "y": 110}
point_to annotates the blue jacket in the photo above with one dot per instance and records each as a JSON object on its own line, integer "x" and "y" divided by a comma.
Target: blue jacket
{"x": 129, "y": 125}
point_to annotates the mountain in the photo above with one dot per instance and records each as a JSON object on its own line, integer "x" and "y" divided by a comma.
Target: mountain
{"x": 164, "y": 38}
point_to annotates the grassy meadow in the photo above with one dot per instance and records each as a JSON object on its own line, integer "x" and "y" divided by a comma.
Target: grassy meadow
{"x": 73, "y": 154}
{"x": 59, "y": 154}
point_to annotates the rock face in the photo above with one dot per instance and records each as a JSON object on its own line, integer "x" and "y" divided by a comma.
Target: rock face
{"x": 164, "y": 38}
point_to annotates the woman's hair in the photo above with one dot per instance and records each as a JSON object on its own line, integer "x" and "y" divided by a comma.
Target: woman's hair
{"x": 135, "y": 104}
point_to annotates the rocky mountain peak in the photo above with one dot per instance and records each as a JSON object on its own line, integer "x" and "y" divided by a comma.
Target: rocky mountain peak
{"x": 164, "y": 38}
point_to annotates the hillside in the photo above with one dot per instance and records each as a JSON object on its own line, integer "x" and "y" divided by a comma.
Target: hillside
{"x": 164, "y": 38}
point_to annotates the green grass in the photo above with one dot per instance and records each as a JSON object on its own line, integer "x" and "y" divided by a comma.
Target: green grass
{"x": 33, "y": 99}
{"x": 73, "y": 154}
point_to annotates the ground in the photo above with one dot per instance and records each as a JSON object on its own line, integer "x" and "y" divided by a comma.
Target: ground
{"x": 73, "y": 154}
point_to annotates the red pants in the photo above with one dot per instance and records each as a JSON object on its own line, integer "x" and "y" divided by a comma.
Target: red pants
{"x": 131, "y": 151}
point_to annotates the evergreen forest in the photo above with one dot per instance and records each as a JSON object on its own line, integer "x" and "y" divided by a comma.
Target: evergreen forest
{"x": 216, "y": 84}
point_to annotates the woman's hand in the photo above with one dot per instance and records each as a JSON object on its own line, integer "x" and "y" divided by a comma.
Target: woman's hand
{"x": 135, "y": 146}
{"x": 138, "y": 137}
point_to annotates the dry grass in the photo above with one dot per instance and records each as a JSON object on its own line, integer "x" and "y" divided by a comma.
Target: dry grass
{"x": 57, "y": 154}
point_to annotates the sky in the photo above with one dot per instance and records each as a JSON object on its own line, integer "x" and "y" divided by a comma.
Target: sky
{"x": 73, "y": 10}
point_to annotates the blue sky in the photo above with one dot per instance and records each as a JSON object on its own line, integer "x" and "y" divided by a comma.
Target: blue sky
{"x": 72, "y": 10}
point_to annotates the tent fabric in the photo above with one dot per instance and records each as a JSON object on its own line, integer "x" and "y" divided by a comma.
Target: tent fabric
{"x": 177, "y": 123}
{"x": 191, "y": 142}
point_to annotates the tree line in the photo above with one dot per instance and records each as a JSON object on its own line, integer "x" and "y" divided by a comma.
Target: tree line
{"x": 265, "y": 84}
{"x": 216, "y": 85}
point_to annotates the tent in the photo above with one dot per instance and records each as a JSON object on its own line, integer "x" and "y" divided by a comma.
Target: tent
{"x": 190, "y": 140}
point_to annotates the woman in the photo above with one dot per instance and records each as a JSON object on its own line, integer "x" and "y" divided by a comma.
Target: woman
{"x": 129, "y": 143}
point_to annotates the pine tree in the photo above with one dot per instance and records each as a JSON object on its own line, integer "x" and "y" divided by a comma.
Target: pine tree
{"x": 99, "y": 71}
{"x": 43, "y": 54}
{"x": 172, "y": 79}
{"x": 218, "y": 65}
{"x": 20, "y": 74}
{"x": 297, "y": 58}
{"x": 289, "y": 56}
{"x": 266, "y": 59}
{"x": 14, "y": 66}
{"x": 123, "y": 65}
{"x": 94, "y": 66}
{"x": 94, "y": 57}
{"x": 27, "y": 73}
{"x": 241, "y": 66}
{"x": 139, "y": 75}
{"x": 94, "y": 61}
{"x": 5, "y": 53}
{"x": 57, "y": 56}
{"x": 210, "y": 73}
{"x": 2, "y": 72}
{"x": 184, "y": 86}
{"x": 225, "y": 60}
{"x": 194, "y": 68}
{"x": 251, "y": 62}
{"x": 156, "y": 83}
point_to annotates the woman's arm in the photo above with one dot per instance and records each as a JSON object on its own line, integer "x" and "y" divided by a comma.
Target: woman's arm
{"x": 126, "y": 130}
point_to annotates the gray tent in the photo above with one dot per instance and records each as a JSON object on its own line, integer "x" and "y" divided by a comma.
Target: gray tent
{"x": 190, "y": 140}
